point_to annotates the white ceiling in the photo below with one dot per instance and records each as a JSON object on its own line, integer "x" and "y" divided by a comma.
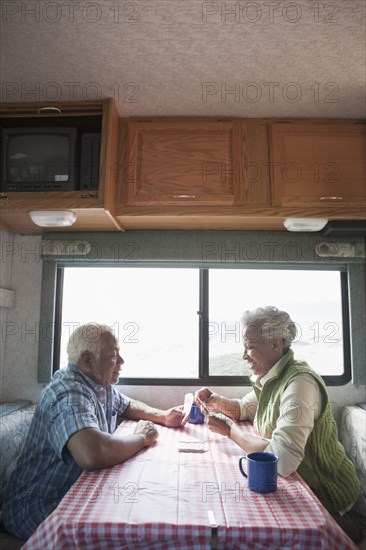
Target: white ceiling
{"x": 279, "y": 58}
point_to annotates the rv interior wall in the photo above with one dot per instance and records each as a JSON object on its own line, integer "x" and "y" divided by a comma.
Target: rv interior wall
{"x": 21, "y": 271}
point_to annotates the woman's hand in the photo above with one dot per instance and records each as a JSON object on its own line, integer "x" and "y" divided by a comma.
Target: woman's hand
{"x": 220, "y": 424}
{"x": 210, "y": 400}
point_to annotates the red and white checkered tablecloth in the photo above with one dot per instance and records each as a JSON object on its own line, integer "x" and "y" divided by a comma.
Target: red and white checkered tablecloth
{"x": 292, "y": 517}
{"x": 163, "y": 499}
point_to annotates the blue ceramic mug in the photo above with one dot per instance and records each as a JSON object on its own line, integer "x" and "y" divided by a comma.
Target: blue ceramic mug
{"x": 196, "y": 416}
{"x": 262, "y": 471}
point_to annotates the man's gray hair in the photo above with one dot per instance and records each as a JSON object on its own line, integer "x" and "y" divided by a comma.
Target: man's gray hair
{"x": 86, "y": 338}
{"x": 271, "y": 323}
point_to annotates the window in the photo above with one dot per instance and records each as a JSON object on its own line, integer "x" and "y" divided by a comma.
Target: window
{"x": 182, "y": 325}
{"x": 153, "y": 313}
{"x": 312, "y": 299}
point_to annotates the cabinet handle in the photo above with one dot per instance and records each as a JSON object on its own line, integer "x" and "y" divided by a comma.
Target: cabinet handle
{"x": 184, "y": 196}
{"x": 331, "y": 198}
{"x": 49, "y": 109}
{"x": 89, "y": 196}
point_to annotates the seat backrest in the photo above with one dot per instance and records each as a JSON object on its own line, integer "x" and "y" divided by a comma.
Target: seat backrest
{"x": 14, "y": 426}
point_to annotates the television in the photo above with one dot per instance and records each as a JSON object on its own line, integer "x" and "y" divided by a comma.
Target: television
{"x": 39, "y": 159}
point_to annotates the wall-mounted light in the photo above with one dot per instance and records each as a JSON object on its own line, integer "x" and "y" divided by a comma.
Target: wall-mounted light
{"x": 305, "y": 224}
{"x": 52, "y": 218}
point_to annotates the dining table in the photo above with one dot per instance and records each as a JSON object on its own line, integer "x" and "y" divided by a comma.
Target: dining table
{"x": 186, "y": 492}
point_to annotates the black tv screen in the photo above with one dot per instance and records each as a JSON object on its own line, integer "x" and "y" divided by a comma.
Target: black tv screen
{"x": 38, "y": 159}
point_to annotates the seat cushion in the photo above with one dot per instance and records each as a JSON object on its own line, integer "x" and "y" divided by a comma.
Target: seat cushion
{"x": 7, "y": 408}
{"x": 352, "y": 435}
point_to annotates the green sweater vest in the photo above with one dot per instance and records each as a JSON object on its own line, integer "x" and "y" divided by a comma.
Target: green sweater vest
{"x": 325, "y": 468}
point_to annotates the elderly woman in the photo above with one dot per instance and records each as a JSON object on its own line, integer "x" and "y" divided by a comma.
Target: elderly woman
{"x": 290, "y": 407}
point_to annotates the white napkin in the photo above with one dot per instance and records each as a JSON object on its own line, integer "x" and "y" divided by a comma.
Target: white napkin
{"x": 190, "y": 444}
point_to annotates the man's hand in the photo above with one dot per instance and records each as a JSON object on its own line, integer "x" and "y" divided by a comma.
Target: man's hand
{"x": 174, "y": 417}
{"x": 148, "y": 431}
{"x": 220, "y": 424}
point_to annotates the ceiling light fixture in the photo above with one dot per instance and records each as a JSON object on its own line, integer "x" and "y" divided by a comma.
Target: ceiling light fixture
{"x": 52, "y": 218}
{"x": 305, "y": 224}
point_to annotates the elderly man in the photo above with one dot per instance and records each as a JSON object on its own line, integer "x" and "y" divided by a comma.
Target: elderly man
{"x": 74, "y": 429}
{"x": 290, "y": 406}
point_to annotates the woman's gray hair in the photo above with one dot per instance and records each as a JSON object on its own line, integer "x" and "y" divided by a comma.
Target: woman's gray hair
{"x": 271, "y": 323}
{"x": 86, "y": 338}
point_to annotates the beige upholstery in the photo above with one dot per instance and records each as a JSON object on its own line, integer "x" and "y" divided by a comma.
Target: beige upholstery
{"x": 352, "y": 434}
{"x": 15, "y": 419}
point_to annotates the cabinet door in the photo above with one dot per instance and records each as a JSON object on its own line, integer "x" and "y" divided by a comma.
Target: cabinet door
{"x": 183, "y": 162}
{"x": 319, "y": 163}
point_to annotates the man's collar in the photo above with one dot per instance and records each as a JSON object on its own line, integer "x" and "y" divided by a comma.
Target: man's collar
{"x": 96, "y": 387}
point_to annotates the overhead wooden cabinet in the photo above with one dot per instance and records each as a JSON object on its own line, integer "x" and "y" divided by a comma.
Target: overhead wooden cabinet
{"x": 175, "y": 162}
{"x": 319, "y": 164}
{"x": 191, "y": 173}
{"x": 93, "y": 203}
